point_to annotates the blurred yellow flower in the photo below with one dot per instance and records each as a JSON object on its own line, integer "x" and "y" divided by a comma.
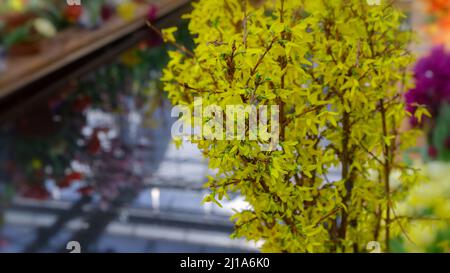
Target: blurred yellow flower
{"x": 36, "y": 164}
{"x": 127, "y": 10}
{"x": 17, "y": 5}
{"x": 428, "y": 208}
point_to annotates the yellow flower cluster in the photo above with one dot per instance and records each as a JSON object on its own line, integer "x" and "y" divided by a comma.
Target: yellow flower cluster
{"x": 427, "y": 206}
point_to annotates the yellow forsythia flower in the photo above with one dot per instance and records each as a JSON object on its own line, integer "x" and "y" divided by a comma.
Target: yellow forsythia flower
{"x": 168, "y": 34}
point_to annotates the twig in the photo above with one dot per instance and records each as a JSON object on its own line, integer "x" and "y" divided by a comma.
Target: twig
{"x": 178, "y": 46}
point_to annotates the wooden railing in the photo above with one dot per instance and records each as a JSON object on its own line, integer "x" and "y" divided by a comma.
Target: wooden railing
{"x": 73, "y": 44}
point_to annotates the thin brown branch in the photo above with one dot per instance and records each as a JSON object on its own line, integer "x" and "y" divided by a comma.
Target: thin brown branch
{"x": 182, "y": 48}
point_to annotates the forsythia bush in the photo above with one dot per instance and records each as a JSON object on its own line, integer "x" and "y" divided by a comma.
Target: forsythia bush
{"x": 337, "y": 70}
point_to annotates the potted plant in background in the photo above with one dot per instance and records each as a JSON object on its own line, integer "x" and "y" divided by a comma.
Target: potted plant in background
{"x": 31, "y": 35}
{"x": 24, "y": 32}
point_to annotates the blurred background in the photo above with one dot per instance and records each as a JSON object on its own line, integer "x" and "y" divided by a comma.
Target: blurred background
{"x": 85, "y": 147}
